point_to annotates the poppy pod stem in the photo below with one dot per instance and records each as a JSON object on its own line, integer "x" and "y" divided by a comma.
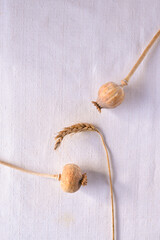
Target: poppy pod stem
{"x": 46, "y": 175}
{"x": 140, "y": 59}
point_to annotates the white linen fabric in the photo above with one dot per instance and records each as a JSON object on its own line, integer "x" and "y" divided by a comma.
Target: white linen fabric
{"x": 54, "y": 56}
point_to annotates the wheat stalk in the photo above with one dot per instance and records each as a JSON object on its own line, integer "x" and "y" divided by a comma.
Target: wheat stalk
{"x": 81, "y": 127}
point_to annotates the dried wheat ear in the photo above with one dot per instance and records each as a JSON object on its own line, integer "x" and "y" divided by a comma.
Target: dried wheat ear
{"x": 111, "y": 95}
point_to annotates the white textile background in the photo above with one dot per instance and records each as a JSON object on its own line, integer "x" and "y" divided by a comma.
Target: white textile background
{"x": 54, "y": 56}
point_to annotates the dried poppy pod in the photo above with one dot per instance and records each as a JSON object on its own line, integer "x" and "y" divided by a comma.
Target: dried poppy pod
{"x": 72, "y": 178}
{"x": 111, "y": 95}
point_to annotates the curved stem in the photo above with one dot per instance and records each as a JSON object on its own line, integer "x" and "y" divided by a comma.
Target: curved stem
{"x": 110, "y": 179}
{"x": 56, "y": 176}
{"x": 140, "y": 59}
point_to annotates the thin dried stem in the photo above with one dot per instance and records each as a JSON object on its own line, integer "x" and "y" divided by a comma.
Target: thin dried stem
{"x": 140, "y": 59}
{"x": 55, "y": 176}
{"x": 81, "y": 127}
